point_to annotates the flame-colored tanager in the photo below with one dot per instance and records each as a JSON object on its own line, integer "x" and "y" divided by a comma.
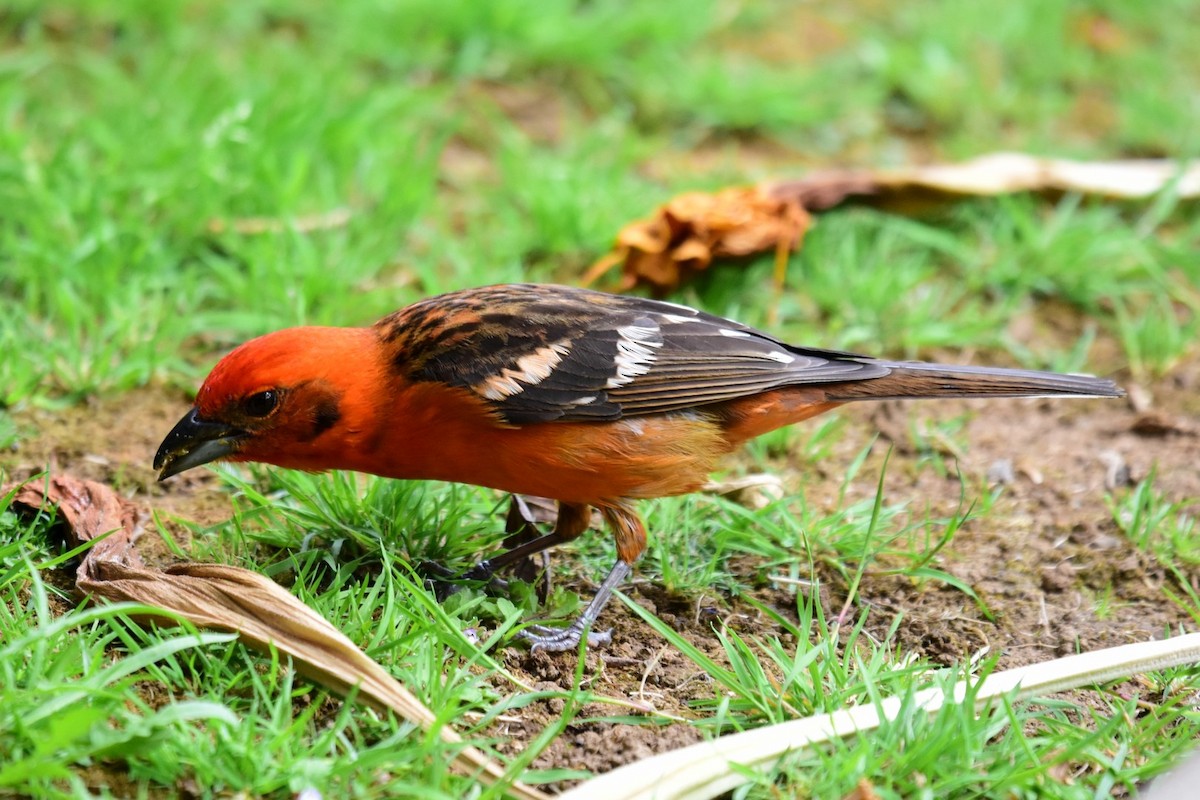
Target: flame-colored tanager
{"x": 592, "y": 399}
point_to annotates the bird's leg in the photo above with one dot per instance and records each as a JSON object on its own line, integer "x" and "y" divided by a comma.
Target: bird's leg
{"x": 631, "y": 543}
{"x": 542, "y": 637}
{"x": 522, "y": 524}
{"x": 525, "y": 514}
{"x": 572, "y": 521}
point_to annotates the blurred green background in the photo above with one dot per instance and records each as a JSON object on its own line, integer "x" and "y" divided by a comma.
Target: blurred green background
{"x": 485, "y": 142}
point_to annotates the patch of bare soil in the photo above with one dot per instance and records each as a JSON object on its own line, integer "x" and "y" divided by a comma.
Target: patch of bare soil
{"x": 1049, "y": 552}
{"x": 113, "y": 441}
{"x": 1048, "y": 561}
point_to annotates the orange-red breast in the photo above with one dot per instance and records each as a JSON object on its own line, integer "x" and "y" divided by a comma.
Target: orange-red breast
{"x": 595, "y": 400}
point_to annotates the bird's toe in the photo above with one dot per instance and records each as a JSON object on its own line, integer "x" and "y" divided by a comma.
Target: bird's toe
{"x": 558, "y": 640}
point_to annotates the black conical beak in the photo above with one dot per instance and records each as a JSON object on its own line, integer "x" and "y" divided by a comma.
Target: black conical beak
{"x": 193, "y": 442}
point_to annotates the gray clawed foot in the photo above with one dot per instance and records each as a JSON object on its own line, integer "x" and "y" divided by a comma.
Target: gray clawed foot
{"x": 557, "y": 640}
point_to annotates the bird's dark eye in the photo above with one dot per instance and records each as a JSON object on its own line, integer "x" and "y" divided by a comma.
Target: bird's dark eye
{"x": 261, "y": 404}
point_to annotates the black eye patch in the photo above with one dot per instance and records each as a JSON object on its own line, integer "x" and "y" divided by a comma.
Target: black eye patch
{"x": 327, "y": 415}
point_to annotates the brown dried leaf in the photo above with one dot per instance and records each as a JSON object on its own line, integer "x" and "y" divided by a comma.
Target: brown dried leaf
{"x": 260, "y": 612}
{"x": 998, "y": 173}
{"x": 684, "y": 236}
{"x": 90, "y": 509}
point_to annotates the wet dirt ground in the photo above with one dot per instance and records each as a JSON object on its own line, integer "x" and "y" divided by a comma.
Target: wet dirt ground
{"x": 1048, "y": 561}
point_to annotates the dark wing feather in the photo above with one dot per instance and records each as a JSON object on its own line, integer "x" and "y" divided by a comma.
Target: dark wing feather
{"x": 544, "y": 353}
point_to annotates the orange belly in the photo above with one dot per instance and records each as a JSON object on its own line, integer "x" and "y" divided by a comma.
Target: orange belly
{"x": 449, "y": 436}
{"x": 592, "y": 463}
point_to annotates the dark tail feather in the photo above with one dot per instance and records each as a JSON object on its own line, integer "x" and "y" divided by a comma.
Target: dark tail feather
{"x": 919, "y": 379}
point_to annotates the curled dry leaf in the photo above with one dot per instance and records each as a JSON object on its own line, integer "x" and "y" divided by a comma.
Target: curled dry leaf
{"x": 88, "y": 508}
{"x": 684, "y": 236}
{"x": 259, "y": 611}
